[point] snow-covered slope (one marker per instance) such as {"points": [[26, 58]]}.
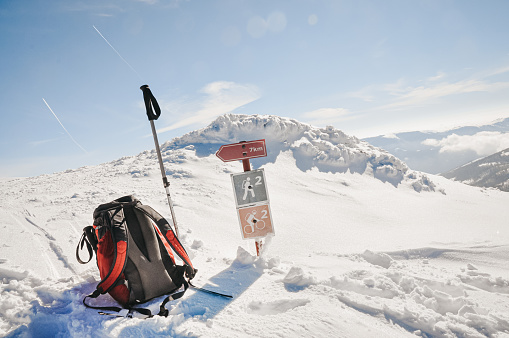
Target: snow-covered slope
{"points": [[488, 172], [353, 255]]}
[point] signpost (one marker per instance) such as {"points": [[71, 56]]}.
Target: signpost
{"points": [[250, 190], [249, 187], [255, 221], [242, 151]]}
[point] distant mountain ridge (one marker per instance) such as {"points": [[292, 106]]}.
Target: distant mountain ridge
{"points": [[428, 157], [489, 172]]}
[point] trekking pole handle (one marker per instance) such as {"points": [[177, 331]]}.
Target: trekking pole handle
{"points": [[150, 103]]}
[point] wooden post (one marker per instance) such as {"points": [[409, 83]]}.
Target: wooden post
{"points": [[247, 165], [258, 242]]}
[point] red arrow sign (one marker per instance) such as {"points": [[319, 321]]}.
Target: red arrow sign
{"points": [[242, 151]]}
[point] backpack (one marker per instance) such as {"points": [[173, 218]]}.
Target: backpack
{"points": [[134, 248]]}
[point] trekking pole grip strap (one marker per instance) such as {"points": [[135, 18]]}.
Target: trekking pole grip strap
{"points": [[150, 103]]}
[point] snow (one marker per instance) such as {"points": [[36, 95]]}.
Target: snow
{"points": [[364, 246]]}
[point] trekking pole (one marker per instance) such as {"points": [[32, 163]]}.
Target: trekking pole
{"points": [[151, 105], [210, 291]]}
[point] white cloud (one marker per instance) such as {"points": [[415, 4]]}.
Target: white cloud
{"points": [[439, 76], [219, 98], [397, 88], [483, 143], [498, 71], [327, 116], [423, 94], [39, 142], [369, 93], [433, 89]]}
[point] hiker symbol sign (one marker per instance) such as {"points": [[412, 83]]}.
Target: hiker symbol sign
{"points": [[249, 187], [252, 202]]}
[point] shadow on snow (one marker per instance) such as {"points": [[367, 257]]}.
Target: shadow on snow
{"points": [[63, 314]]}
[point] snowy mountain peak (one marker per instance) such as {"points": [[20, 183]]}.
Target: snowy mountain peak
{"points": [[230, 128], [327, 149]]}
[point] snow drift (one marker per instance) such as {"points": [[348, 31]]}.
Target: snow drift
{"points": [[352, 256]]}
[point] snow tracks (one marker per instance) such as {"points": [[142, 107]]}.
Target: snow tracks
{"points": [[427, 292]]}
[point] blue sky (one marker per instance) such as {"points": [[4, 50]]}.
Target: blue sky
{"points": [[365, 67]]}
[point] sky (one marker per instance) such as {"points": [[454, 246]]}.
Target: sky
{"points": [[71, 70]]}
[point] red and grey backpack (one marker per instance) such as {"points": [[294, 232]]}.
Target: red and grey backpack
{"points": [[134, 247]]}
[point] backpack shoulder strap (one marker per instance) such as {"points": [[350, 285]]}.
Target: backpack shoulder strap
{"points": [[167, 236], [118, 230]]}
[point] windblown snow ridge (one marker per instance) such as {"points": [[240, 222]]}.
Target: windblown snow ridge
{"points": [[328, 149]]}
